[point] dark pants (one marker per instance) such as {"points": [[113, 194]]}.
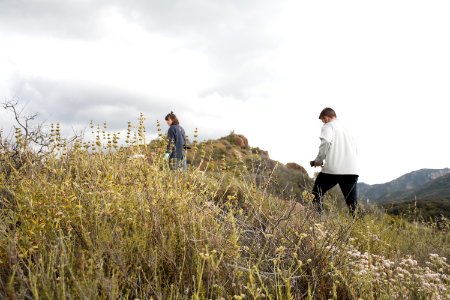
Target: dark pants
{"points": [[347, 183], [178, 163]]}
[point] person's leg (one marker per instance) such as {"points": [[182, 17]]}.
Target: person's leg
{"points": [[174, 164], [184, 161], [323, 183], [180, 164], [184, 164], [349, 187], [177, 164]]}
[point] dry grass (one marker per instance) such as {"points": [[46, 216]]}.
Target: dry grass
{"points": [[93, 220]]}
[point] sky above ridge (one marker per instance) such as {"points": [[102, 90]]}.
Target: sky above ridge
{"points": [[262, 68]]}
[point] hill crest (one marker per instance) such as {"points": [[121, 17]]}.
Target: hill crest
{"points": [[418, 183]]}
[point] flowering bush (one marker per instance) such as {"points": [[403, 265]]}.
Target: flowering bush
{"points": [[96, 219]]}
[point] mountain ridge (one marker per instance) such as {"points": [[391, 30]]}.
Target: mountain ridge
{"points": [[399, 188]]}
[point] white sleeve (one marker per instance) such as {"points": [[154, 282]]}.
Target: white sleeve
{"points": [[327, 133], [323, 150]]}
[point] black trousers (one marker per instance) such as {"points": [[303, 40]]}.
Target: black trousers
{"points": [[347, 183]]}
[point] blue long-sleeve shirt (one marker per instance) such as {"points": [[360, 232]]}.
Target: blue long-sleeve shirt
{"points": [[176, 141]]}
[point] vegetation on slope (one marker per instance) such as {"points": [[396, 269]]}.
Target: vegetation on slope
{"points": [[89, 219], [424, 183], [425, 210]]}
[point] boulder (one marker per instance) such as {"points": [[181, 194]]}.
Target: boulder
{"points": [[297, 167], [240, 140]]}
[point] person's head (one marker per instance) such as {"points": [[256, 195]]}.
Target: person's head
{"points": [[327, 115], [171, 119]]}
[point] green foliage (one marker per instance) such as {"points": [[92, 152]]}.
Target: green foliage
{"points": [[433, 211], [91, 219]]}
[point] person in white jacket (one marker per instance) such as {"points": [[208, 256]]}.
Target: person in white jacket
{"points": [[338, 158]]}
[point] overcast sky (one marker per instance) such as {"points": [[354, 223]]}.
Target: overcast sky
{"points": [[263, 68]]}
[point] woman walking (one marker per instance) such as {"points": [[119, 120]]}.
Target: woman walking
{"points": [[176, 140]]}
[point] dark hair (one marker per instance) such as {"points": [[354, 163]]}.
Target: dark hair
{"points": [[329, 112], [173, 118]]}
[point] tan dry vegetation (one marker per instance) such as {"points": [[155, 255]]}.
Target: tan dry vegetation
{"points": [[95, 220]]}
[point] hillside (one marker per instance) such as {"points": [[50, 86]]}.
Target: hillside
{"points": [[89, 221], [438, 188], [429, 201], [423, 194], [428, 210], [405, 185], [233, 152], [286, 180]]}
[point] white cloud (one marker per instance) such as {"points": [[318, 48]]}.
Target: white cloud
{"points": [[262, 68]]}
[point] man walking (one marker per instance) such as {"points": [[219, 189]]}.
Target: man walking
{"points": [[337, 157]]}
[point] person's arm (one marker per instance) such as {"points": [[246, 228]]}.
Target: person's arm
{"points": [[170, 140], [183, 135], [323, 150], [326, 137]]}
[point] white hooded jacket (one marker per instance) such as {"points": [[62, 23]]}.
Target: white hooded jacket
{"points": [[338, 149]]}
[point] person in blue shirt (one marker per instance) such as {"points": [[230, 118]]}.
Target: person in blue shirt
{"points": [[176, 140]]}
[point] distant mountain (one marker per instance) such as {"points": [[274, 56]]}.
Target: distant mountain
{"points": [[421, 183], [363, 188], [438, 188], [431, 200]]}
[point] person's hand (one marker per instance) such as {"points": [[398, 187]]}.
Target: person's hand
{"points": [[166, 156], [315, 163]]}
